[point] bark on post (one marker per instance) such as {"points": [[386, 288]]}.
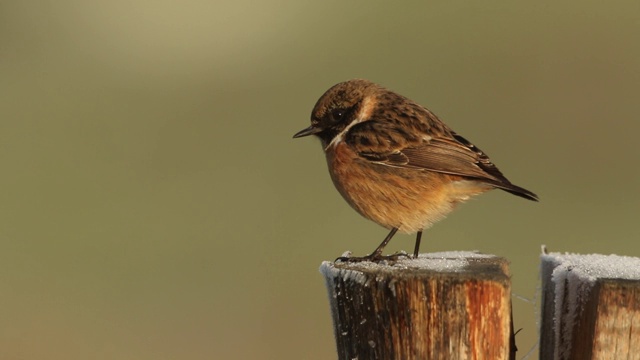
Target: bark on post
{"points": [[439, 306]]}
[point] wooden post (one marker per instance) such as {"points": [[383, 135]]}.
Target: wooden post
{"points": [[590, 307], [440, 306]]}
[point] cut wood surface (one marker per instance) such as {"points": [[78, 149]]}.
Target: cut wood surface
{"points": [[453, 305]]}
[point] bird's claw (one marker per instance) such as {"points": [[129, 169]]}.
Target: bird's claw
{"points": [[375, 258]]}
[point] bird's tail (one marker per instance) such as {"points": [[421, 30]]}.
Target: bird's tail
{"points": [[517, 190]]}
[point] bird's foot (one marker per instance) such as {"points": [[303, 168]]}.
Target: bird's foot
{"points": [[375, 258]]}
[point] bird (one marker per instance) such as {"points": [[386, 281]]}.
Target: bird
{"points": [[395, 162]]}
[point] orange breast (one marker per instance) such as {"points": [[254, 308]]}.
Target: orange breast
{"points": [[409, 199]]}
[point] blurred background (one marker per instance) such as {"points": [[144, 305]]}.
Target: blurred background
{"points": [[154, 206]]}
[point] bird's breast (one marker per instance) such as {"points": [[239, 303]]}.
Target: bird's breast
{"points": [[410, 199]]}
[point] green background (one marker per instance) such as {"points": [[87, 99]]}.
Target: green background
{"points": [[154, 206]]}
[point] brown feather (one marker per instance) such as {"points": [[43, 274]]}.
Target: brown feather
{"points": [[429, 145]]}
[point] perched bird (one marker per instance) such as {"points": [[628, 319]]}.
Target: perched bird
{"points": [[395, 162]]}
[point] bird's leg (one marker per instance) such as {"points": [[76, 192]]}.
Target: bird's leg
{"points": [[378, 251], [416, 250], [376, 255]]}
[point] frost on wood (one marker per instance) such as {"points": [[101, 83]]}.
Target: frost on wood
{"points": [[448, 261], [572, 307]]}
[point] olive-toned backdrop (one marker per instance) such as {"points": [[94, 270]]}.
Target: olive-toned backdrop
{"points": [[154, 206]]}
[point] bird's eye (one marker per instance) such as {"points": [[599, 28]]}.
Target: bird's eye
{"points": [[337, 114]]}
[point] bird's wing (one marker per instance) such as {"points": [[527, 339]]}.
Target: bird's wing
{"points": [[453, 155], [421, 146], [427, 146]]}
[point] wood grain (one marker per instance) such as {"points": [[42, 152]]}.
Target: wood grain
{"points": [[585, 316], [413, 312]]}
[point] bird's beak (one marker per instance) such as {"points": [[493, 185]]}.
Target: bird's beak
{"points": [[308, 131]]}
